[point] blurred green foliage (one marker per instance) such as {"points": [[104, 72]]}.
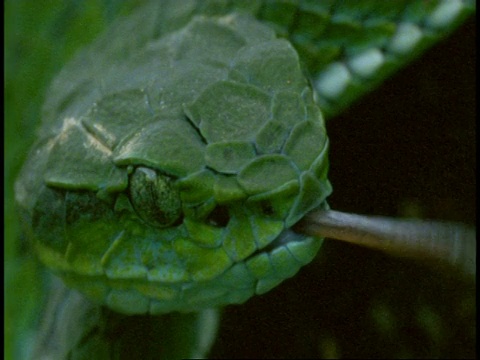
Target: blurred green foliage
{"points": [[40, 36]]}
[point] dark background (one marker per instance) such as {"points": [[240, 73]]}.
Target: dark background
{"points": [[408, 148]]}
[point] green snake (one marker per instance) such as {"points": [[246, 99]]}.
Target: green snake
{"points": [[177, 151]]}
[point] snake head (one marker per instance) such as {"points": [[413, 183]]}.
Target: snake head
{"points": [[170, 176]]}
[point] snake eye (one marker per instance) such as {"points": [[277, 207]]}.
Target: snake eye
{"points": [[154, 197]]}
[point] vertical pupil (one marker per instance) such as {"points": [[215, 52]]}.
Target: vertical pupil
{"points": [[154, 197]]}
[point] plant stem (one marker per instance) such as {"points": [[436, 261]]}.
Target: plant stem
{"points": [[452, 243]]}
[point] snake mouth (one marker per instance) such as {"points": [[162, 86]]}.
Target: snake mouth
{"points": [[287, 236], [284, 238]]}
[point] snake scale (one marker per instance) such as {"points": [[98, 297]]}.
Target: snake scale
{"points": [[177, 151]]}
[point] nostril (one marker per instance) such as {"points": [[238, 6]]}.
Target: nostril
{"points": [[219, 217], [267, 208]]}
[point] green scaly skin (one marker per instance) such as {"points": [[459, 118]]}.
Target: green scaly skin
{"points": [[173, 114]]}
